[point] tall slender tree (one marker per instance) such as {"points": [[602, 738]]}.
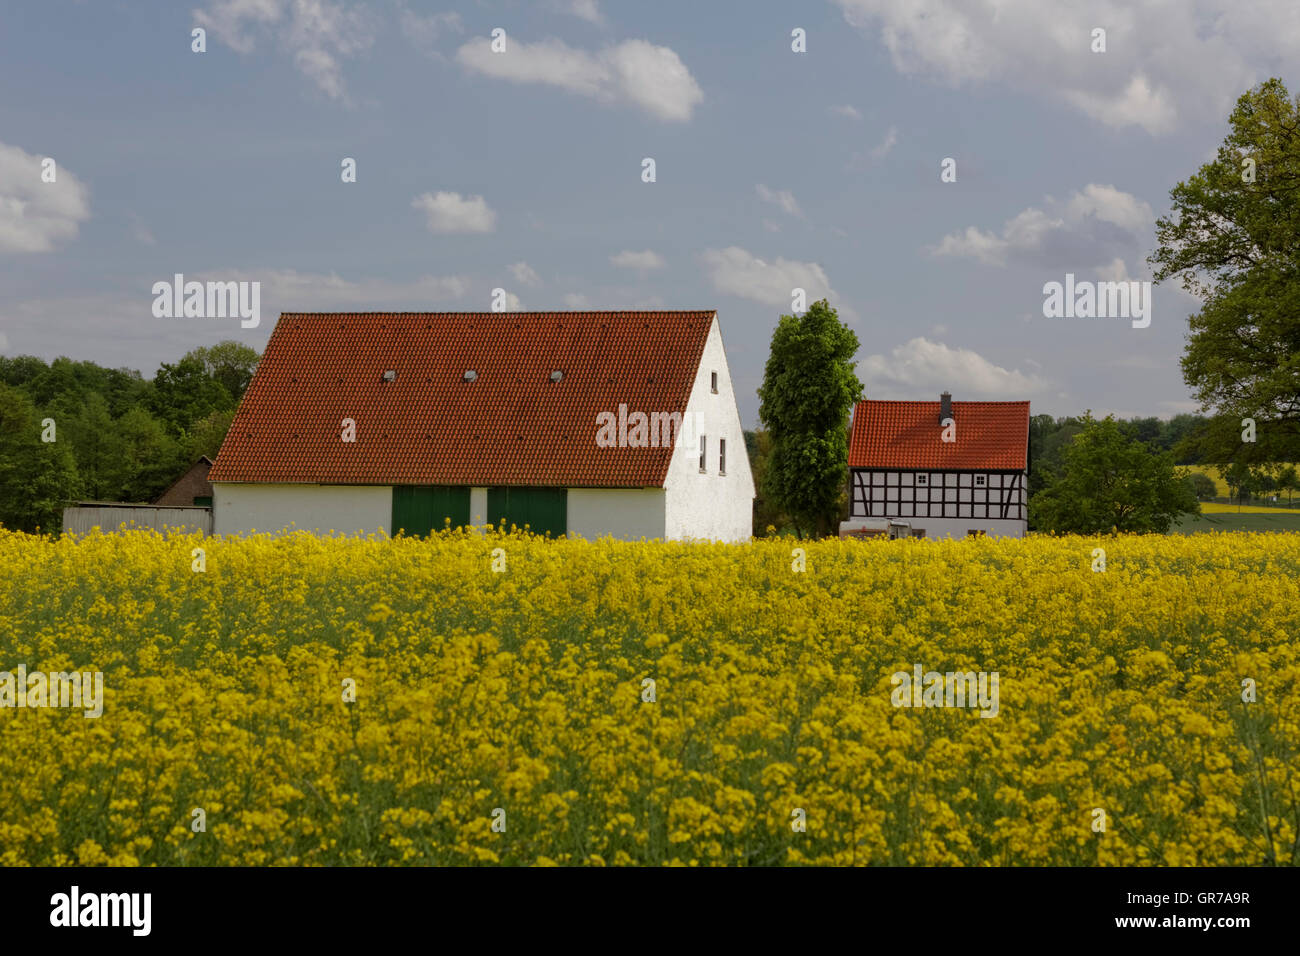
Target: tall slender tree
{"points": [[809, 387]]}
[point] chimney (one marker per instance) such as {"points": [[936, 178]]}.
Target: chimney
{"points": [[945, 407]]}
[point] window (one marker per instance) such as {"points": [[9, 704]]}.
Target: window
{"points": [[722, 456], [557, 375], [469, 376], [714, 380], [390, 375], [921, 479], [704, 451], [979, 481]]}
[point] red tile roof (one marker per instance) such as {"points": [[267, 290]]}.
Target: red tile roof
{"points": [[512, 426], [990, 436]]}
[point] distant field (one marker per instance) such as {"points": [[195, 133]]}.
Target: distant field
{"points": [[1217, 508], [1254, 519], [1212, 471]]}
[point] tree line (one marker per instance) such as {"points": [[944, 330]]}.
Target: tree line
{"points": [[74, 430]]}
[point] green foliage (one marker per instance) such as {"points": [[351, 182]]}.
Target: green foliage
{"points": [[1288, 481], [808, 388], [1236, 245], [184, 393], [37, 478], [1109, 481], [766, 513], [1203, 485], [229, 363], [205, 436], [119, 437]]}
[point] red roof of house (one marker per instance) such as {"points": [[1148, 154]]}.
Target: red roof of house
{"points": [[512, 426], [990, 436]]}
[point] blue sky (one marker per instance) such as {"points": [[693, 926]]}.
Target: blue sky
{"points": [[522, 170]]}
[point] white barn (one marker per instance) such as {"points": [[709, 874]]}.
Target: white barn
{"points": [[580, 423], [940, 469]]}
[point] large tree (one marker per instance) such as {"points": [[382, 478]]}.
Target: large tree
{"points": [[1233, 240], [1108, 480], [808, 388], [229, 362]]}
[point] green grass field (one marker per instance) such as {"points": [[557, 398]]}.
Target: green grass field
{"points": [[1194, 524]]}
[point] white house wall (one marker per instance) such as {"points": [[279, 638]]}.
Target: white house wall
{"points": [[626, 513], [710, 505], [345, 509], [937, 528]]}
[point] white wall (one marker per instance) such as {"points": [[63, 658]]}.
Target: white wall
{"points": [[710, 505], [947, 527], [345, 509], [626, 513]]}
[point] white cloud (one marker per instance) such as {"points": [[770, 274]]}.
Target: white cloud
{"points": [[1115, 271], [425, 31], [921, 368], [888, 143], [738, 272], [575, 300], [1093, 228], [846, 110], [636, 72], [1153, 75], [287, 290], [452, 212], [649, 259], [860, 161], [1111, 205], [123, 332], [35, 216], [782, 198], [770, 226], [588, 10], [525, 274], [4, 342], [317, 33]]}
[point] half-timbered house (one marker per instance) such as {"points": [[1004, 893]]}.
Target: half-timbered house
{"points": [[940, 469]]}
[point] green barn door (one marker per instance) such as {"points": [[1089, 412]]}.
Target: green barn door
{"points": [[543, 510], [420, 509]]}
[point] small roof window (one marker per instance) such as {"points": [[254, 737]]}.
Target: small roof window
{"points": [[557, 375], [390, 375], [469, 376]]}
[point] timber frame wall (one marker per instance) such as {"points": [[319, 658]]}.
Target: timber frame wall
{"points": [[937, 494]]}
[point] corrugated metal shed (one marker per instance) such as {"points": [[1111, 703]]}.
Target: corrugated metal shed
{"points": [[109, 516]]}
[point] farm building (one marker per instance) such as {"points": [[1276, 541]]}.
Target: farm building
{"points": [[581, 423], [940, 469], [191, 488]]}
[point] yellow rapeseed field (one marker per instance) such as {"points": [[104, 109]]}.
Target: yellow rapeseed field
{"points": [[505, 716], [1216, 508]]}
